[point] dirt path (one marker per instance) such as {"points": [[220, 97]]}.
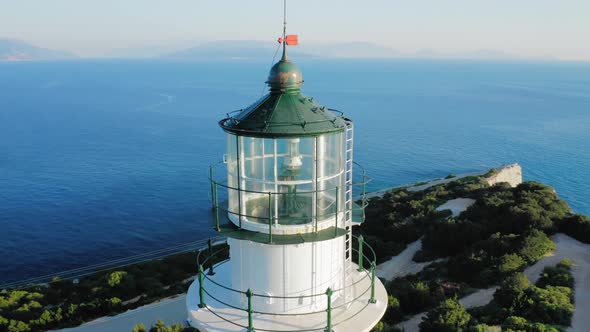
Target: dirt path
{"points": [[456, 205], [172, 310], [567, 247], [401, 264]]}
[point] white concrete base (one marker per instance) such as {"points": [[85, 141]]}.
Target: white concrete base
{"points": [[350, 313]]}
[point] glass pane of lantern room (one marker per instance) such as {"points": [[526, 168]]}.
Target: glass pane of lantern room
{"points": [[232, 174], [253, 166], [254, 183], [330, 174], [295, 169]]}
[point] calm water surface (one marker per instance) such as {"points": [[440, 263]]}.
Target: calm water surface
{"points": [[104, 159]]}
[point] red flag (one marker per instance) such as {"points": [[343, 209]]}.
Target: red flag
{"points": [[291, 40]]}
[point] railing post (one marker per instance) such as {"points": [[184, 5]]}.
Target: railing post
{"points": [[216, 206], [336, 224], [270, 217], [211, 182], [361, 242], [329, 293], [372, 299], [210, 260], [201, 287], [364, 193], [250, 323]]}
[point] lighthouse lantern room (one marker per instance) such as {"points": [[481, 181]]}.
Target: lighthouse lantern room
{"points": [[284, 205]]}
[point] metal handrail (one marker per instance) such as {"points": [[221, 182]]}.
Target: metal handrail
{"points": [[339, 114], [271, 217], [212, 254], [222, 183], [206, 260]]}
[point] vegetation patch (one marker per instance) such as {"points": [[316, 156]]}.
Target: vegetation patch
{"points": [[64, 303], [503, 232], [519, 306], [160, 326]]}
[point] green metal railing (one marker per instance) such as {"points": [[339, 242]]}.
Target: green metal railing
{"points": [[328, 207], [205, 295]]}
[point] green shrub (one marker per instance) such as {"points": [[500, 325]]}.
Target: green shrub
{"points": [[18, 326], [512, 293], [449, 316], [139, 328], [535, 245], [550, 305], [115, 278], [394, 313], [415, 296], [510, 263], [556, 276], [576, 226], [515, 322], [484, 328], [566, 263]]}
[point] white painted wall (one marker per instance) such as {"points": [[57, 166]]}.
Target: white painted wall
{"points": [[287, 270]]}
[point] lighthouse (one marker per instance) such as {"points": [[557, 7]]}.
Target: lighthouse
{"points": [[285, 199]]}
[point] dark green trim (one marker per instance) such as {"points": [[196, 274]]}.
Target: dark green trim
{"points": [[232, 231], [284, 115]]}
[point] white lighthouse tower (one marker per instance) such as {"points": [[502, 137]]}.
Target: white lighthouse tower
{"points": [[283, 202]]}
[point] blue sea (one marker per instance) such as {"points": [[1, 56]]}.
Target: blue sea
{"points": [[100, 160]]}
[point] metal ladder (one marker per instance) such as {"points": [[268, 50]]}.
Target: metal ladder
{"points": [[348, 193], [348, 265]]}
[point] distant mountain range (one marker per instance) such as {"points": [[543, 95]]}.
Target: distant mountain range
{"points": [[16, 50], [253, 49], [360, 50]]}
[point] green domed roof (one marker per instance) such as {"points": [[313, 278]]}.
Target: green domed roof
{"points": [[284, 112], [285, 76]]}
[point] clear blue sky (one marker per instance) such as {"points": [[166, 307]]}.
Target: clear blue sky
{"points": [[557, 28]]}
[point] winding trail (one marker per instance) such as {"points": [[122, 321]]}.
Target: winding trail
{"points": [[567, 247], [402, 264], [171, 310]]}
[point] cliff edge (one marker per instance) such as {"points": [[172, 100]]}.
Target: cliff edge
{"points": [[512, 174]]}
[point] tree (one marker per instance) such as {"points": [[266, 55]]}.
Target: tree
{"points": [[3, 323], [382, 327], [18, 326], [550, 305], [577, 226], [449, 316], [510, 263], [512, 293], [515, 322], [139, 328], [115, 278], [394, 312], [535, 246], [159, 326], [556, 276]]}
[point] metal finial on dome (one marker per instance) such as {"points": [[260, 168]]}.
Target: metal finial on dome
{"points": [[285, 76]]}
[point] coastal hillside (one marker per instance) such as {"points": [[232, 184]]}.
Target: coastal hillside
{"points": [[472, 238], [462, 253], [15, 50]]}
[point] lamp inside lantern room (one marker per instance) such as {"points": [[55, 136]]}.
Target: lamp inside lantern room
{"points": [[291, 168], [292, 163]]}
